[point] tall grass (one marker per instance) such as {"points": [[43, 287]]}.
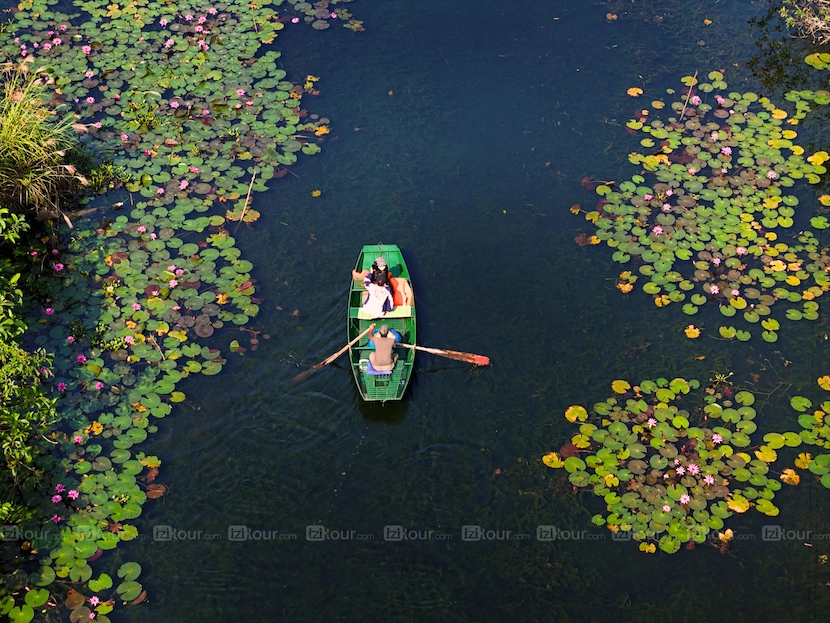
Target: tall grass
{"points": [[34, 141]]}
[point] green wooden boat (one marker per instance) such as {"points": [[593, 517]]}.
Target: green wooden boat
{"points": [[389, 386]]}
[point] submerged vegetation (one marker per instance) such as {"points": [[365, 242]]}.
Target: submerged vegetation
{"points": [[671, 472]]}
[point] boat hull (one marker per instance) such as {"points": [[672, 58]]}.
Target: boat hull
{"points": [[386, 386]]}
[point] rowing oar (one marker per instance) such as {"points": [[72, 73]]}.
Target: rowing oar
{"points": [[302, 376], [479, 360]]}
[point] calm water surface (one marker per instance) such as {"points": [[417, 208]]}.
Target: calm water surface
{"points": [[461, 132]]}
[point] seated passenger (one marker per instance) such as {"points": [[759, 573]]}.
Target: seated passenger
{"points": [[382, 358], [380, 275]]}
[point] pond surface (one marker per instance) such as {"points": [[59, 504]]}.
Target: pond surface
{"points": [[461, 132]]}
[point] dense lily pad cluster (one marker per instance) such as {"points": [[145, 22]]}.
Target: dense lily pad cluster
{"points": [[701, 218], [196, 114], [671, 475]]}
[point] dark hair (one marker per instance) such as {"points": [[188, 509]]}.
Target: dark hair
{"points": [[379, 277], [383, 330]]}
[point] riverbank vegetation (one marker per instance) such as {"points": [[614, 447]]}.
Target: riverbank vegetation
{"points": [[809, 18], [115, 313]]}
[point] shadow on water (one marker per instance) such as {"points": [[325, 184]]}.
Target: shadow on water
{"points": [[463, 132]]}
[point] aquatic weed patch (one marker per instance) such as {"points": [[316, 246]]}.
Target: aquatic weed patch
{"points": [[190, 105], [701, 221], [671, 469]]}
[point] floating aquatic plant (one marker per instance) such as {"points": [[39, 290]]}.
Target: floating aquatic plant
{"points": [[701, 219], [196, 115], [671, 473]]}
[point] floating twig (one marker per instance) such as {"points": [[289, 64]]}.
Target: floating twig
{"points": [[247, 199], [688, 95]]}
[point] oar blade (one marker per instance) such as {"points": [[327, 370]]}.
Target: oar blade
{"points": [[302, 376]]}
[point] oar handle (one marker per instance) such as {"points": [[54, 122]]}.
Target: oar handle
{"points": [[346, 347]]}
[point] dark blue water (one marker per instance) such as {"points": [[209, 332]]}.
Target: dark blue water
{"points": [[461, 132]]}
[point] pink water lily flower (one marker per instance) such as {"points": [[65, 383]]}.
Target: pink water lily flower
{"points": [[194, 169], [90, 100], [657, 230], [56, 499], [648, 197], [680, 470], [73, 494], [695, 100], [159, 191], [141, 229], [716, 261], [735, 292], [163, 22], [94, 600], [56, 519], [173, 283], [772, 175], [727, 151], [694, 469], [212, 11], [295, 20], [136, 307], [77, 439], [188, 17], [717, 438], [183, 184], [49, 311], [719, 99], [651, 423], [666, 207], [58, 267], [740, 250], [202, 19], [70, 339], [669, 192], [129, 339], [709, 479], [61, 386], [240, 92], [715, 136], [125, 137], [86, 49], [59, 488], [692, 170], [174, 104], [714, 289], [81, 358], [169, 43], [99, 386], [666, 508], [685, 499]]}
